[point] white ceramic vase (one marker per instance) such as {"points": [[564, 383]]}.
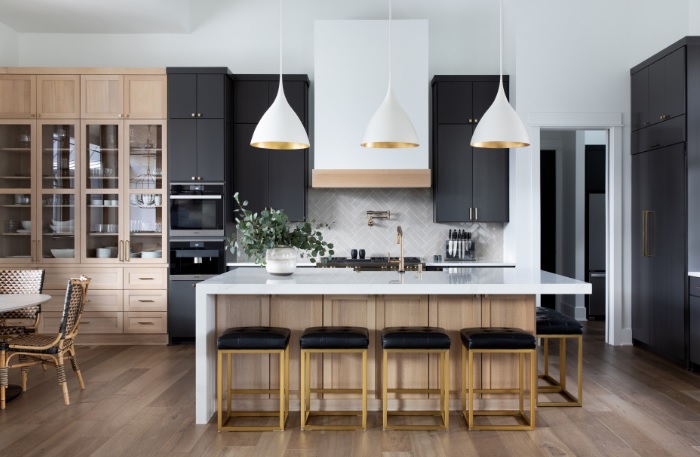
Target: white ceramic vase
{"points": [[281, 260]]}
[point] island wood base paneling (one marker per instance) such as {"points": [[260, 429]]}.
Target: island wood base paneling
{"points": [[297, 312]]}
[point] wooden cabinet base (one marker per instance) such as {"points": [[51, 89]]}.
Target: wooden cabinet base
{"points": [[121, 339]]}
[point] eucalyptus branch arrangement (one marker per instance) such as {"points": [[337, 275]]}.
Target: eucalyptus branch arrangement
{"points": [[270, 228]]}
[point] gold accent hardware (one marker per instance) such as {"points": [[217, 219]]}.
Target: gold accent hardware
{"points": [[476, 214], [146, 301], [127, 255], [476, 120], [146, 279], [147, 323], [194, 114], [377, 215], [471, 120], [470, 213]]}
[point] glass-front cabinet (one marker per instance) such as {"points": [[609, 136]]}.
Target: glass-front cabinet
{"points": [[38, 183], [123, 192]]}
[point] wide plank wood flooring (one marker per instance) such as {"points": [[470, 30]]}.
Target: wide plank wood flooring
{"points": [[139, 401]]}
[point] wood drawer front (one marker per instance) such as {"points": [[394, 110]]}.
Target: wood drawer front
{"points": [[90, 322], [18, 322], [145, 322], [96, 300], [694, 287], [100, 278], [146, 278], [145, 300]]}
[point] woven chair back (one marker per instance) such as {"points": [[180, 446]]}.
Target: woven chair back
{"points": [[21, 282], [75, 300]]}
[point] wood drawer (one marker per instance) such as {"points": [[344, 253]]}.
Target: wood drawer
{"points": [[100, 278], [96, 300], [90, 322], [145, 322], [694, 286], [146, 278], [145, 300], [18, 322]]}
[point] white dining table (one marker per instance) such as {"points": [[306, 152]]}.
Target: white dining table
{"points": [[11, 302]]}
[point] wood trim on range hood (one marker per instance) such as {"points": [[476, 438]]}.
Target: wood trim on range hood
{"points": [[416, 178]]}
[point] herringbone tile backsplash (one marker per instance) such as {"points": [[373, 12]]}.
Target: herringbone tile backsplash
{"points": [[346, 211], [412, 209]]}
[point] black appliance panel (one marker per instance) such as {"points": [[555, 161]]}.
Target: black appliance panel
{"points": [[196, 260]]}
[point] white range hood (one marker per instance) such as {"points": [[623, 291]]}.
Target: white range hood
{"points": [[351, 76]]}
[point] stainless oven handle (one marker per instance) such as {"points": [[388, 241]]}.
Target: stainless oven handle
{"points": [[196, 197]]}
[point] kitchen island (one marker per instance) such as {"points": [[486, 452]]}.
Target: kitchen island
{"points": [[473, 297]]}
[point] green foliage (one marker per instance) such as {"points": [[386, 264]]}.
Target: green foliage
{"points": [[270, 228]]}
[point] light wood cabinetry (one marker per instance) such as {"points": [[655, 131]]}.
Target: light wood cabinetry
{"points": [[124, 96], [85, 195]]}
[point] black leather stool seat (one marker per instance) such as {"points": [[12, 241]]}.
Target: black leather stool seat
{"points": [[497, 338], [553, 322], [415, 338], [335, 338], [253, 338]]}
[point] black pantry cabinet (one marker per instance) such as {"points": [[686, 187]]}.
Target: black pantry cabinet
{"points": [[269, 178], [199, 116], [470, 184], [665, 218]]}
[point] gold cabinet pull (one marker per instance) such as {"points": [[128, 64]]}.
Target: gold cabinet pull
{"points": [[147, 323], [146, 301], [146, 279], [470, 213], [476, 214]]}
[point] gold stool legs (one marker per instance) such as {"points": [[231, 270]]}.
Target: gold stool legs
{"points": [[282, 391], [559, 386], [443, 390], [469, 391], [306, 391]]}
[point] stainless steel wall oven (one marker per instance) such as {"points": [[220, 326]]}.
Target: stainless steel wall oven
{"points": [[197, 210]]}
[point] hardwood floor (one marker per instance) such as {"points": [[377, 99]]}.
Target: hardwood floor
{"points": [[139, 401]]}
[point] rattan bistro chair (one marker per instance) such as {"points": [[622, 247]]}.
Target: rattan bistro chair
{"points": [[24, 320], [48, 349]]}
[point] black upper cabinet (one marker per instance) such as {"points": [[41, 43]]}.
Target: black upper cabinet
{"points": [[269, 178], [198, 119], [658, 90], [471, 184]]}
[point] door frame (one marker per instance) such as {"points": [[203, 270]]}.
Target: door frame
{"points": [[616, 333]]}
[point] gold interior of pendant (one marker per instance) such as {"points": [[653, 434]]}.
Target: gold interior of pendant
{"points": [[389, 144], [279, 145], [499, 144]]}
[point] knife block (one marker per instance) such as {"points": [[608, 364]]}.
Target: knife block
{"points": [[467, 252]]}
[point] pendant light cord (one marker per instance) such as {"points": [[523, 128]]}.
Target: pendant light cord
{"points": [[280, 20], [390, 36], [500, 39]]}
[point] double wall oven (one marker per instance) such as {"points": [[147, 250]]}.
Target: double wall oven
{"points": [[197, 249]]}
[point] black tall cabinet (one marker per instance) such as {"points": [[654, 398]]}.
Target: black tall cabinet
{"points": [[665, 221], [199, 116], [266, 177], [471, 184]]}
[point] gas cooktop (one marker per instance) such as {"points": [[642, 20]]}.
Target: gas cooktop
{"points": [[373, 263]]}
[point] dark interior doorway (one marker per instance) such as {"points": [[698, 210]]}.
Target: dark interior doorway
{"points": [[548, 217]]}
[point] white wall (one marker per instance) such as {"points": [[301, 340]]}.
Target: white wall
{"points": [[564, 57], [9, 47]]}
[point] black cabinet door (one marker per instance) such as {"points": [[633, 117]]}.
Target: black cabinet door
{"points": [[694, 303], [642, 279], [211, 152], [454, 102], [453, 185], [211, 96], [287, 183], [250, 169], [667, 87], [484, 93], [250, 101], [667, 241], [182, 149], [181, 309], [295, 92], [182, 96], [490, 185], [640, 99]]}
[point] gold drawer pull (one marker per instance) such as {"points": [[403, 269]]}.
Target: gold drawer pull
{"points": [[146, 279], [146, 301], [85, 322], [147, 323]]}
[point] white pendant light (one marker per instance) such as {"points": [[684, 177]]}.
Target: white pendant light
{"points": [[390, 126], [280, 127], [500, 126]]}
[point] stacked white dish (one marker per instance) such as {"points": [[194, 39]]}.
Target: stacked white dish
{"points": [[151, 254], [63, 253], [62, 226]]}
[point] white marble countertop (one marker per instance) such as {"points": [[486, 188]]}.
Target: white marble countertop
{"points": [[256, 281], [695, 274], [445, 264]]}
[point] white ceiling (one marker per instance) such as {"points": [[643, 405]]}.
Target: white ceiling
{"points": [[96, 16]]}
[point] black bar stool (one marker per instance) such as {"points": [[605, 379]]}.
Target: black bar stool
{"points": [[252, 340], [553, 325], [498, 340], [332, 340], [430, 340]]}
